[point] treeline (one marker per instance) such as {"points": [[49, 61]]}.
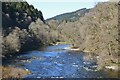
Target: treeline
{"points": [[20, 40]]}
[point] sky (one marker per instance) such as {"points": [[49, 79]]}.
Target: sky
{"points": [[51, 8]]}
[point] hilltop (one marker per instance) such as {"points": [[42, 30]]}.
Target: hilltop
{"points": [[70, 16]]}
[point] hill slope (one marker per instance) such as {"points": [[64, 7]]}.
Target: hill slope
{"points": [[70, 16], [96, 32]]}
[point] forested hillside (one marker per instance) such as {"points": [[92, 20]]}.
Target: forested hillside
{"points": [[70, 16], [19, 14], [96, 32], [24, 28]]}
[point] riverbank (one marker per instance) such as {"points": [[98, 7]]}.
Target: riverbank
{"points": [[108, 64], [13, 72], [57, 61], [73, 48]]}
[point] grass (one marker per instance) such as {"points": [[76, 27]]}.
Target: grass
{"points": [[62, 43]]}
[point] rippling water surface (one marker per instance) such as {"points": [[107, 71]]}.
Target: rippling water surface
{"points": [[58, 62]]}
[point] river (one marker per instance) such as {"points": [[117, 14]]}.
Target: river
{"points": [[58, 62]]}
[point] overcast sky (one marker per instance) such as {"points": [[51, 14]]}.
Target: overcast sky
{"points": [[52, 8]]}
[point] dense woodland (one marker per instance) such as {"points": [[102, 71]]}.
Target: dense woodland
{"points": [[96, 31], [24, 28], [19, 14]]}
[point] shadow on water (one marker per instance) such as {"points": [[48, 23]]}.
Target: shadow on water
{"points": [[56, 61]]}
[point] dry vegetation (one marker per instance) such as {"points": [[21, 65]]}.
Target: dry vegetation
{"points": [[96, 32], [38, 35], [11, 72]]}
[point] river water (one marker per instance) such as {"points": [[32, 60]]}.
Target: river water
{"points": [[58, 62]]}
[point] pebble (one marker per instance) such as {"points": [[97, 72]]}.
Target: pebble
{"points": [[26, 69], [112, 67]]}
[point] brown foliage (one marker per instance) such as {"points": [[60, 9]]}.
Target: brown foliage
{"points": [[96, 32]]}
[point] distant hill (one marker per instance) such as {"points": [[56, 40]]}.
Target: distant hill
{"points": [[70, 16]]}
